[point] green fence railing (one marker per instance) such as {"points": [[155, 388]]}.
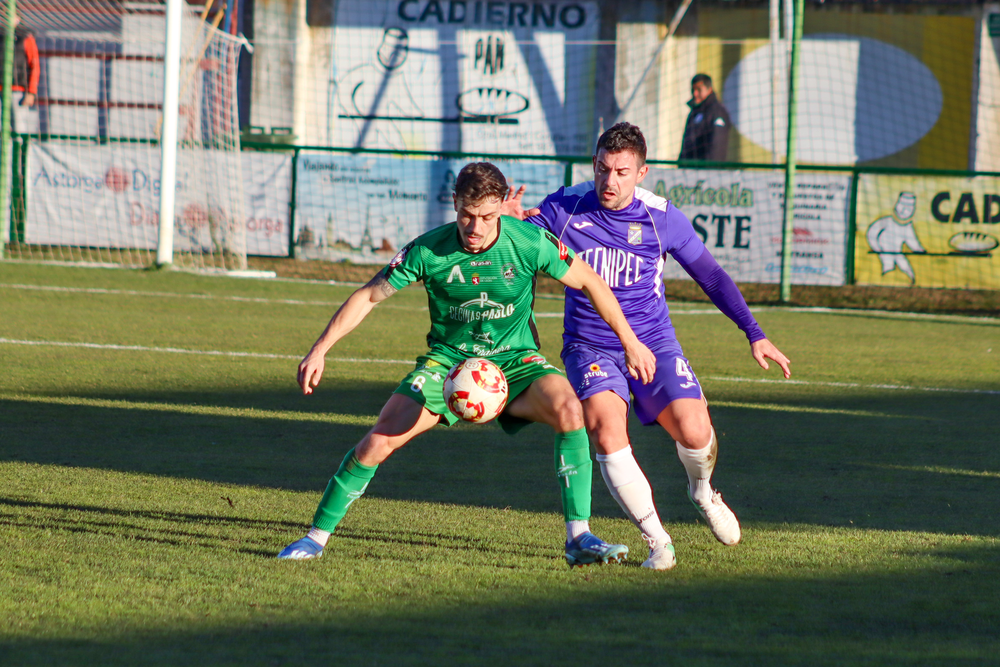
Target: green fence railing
{"points": [[20, 144]]}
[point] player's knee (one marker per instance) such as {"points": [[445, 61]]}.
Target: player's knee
{"points": [[374, 449], [606, 440], [568, 413], [696, 434]]}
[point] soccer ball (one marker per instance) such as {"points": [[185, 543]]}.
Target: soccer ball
{"points": [[475, 390]]}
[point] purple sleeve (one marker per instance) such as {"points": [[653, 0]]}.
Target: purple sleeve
{"points": [[550, 213], [724, 293]]}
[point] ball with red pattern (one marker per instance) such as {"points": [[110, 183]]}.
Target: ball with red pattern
{"points": [[475, 390]]}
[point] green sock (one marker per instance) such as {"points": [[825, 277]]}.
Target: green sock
{"points": [[346, 486], [575, 472]]}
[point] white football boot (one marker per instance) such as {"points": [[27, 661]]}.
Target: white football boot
{"points": [[661, 553], [719, 518]]}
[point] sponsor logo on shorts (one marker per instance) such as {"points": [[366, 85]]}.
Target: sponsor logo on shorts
{"points": [[594, 371], [485, 351], [537, 359]]}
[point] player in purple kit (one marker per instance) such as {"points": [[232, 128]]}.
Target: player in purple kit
{"points": [[625, 233]]}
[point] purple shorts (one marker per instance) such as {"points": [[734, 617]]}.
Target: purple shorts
{"points": [[591, 370]]}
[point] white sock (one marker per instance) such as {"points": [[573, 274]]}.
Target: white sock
{"points": [[575, 529], [629, 486], [318, 535], [699, 464]]}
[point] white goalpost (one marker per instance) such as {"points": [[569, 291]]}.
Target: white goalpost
{"points": [[168, 137]]}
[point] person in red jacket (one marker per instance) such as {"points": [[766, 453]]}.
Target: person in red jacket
{"points": [[26, 65]]}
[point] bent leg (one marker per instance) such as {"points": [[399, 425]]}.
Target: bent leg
{"points": [[550, 400], [401, 420], [688, 421], [605, 415]]}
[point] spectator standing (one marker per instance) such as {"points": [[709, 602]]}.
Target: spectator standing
{"points": [[26, 66], [706, 133]]}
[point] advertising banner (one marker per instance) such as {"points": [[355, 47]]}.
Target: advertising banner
{"points": [[501, 77], [902, 94], [362, 207], [739, 215], [109, 197], [928, 231], [267, 180]]}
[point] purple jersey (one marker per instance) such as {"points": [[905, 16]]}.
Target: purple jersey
{"points": [[627, 248]]}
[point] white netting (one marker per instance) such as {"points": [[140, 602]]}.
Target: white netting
{"points": [[87, 160]]}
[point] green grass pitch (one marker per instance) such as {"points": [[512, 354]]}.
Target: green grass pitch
{"points": [[146, 486]]}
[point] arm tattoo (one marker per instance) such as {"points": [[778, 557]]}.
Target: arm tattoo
{"points": [[382, 284]]}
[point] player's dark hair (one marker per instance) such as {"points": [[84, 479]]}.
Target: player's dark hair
{"points": [[624, 137], [479, 181], [702, 78]]}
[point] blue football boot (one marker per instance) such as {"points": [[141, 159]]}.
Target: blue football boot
{"points": [[305, 548], [589, 548]]}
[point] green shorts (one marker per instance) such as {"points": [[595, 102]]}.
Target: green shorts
{"points": [[425, 384]]}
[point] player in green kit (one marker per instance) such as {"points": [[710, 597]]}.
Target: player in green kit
{"points": [[479, 275]]}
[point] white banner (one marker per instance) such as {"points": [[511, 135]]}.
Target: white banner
{"points": [[499, 76], [739, 216], [109, 197], [268, 189], [357, 206]]}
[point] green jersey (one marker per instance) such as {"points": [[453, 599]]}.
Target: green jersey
{"points": [[481, 304]]}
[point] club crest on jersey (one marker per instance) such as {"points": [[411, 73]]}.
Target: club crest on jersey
{"points": [[635, 233], [509, 272], [475, 278]]}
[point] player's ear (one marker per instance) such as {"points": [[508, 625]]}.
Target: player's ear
{"points": [[454, 201], [593, 161], [643, 170]]}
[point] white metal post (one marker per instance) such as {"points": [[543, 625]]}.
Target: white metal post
{"points": [[168, 135]]}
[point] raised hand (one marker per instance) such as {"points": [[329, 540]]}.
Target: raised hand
{"points": [[512, 204]]}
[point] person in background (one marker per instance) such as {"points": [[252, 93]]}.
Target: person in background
{"points": [[706, 133], [26, 65]]}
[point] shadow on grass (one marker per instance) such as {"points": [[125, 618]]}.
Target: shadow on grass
{"points": [[919, 467], [934, 616], [217, 532]]}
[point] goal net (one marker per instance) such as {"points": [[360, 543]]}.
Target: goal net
{"points": [[86, 156]]}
